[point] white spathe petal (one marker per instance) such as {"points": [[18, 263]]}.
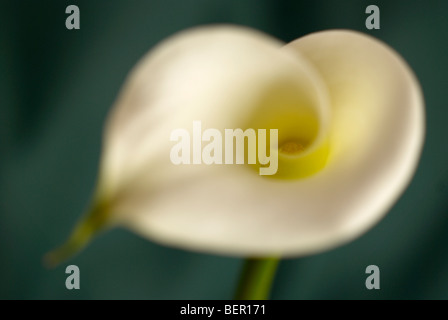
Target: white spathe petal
{"points": [[377, 126], [218, 76]]}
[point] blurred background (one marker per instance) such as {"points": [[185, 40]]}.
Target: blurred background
{"points": [[57, 86]]}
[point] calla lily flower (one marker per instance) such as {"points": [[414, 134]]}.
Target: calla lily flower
{"points": [[350, 118]]}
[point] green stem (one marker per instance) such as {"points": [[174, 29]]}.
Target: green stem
{"points": [[90, 225], [256, 278]]}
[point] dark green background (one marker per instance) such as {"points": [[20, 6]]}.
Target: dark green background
{"points": [[58, 85]]}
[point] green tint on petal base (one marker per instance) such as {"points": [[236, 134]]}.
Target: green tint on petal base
{"points": [[89, 226]]}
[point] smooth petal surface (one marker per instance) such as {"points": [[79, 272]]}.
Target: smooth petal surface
{"points": [[225, 77], [367, 113]]}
